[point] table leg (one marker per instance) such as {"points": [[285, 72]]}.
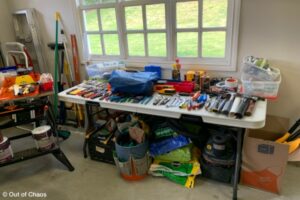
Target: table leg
{"points": [[59, 155], [86, 128], [240, 134]]}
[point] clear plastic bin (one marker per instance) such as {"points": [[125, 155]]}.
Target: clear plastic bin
{"points": [[265, 89], [98, 70], [260, 73]]}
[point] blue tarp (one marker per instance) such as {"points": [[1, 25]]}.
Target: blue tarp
{"points": [[135, 83]]}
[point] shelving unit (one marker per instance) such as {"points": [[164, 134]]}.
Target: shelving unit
{"points": [[33, 103]]}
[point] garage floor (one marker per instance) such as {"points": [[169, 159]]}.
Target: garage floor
{"points": [[96, 180]]}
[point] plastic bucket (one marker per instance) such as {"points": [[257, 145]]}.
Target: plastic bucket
{"points": [[133, 169], [6, 152], [125, 152], [43, 137]]}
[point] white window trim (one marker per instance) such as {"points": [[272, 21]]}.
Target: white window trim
{"points": [[210, 64]]}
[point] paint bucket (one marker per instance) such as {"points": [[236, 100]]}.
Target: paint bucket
{"points": [[43, 137], [6, 152]]}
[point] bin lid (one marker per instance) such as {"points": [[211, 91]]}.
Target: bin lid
{"points": [[41, 129]]}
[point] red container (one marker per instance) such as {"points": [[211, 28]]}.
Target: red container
{"points": [[46, 86], [184, 86]]}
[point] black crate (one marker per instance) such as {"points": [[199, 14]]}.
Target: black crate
{"points": [[99, 151]]}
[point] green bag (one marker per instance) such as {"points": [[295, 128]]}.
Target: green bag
{"points": [[181, 155]]}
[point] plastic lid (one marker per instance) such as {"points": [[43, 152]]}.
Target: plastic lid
{"points": [[41, 129]]}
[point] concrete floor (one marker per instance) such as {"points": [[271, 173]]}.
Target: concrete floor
{"points": [[96, 180]]}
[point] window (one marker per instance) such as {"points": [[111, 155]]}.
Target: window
{"points": [[197, 31]]}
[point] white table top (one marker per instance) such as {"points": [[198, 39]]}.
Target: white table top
{"points": [[257, 120]]}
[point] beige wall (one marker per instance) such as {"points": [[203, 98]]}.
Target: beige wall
{"points": [[271, 29], [5, 22], [268, 28], [46, 11]]}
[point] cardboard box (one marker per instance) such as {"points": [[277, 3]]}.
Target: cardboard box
{"points": [[264, 161]]}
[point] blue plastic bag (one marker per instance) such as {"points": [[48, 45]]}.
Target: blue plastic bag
{"points": [[135, 83], [167, 145]]}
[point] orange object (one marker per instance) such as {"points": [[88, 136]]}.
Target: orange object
{"points": [[161, 87], [134, 176], [264, 179], [7, 93], [75, 53]]}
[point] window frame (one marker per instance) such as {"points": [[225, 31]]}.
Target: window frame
{"points": [[221, 64]]}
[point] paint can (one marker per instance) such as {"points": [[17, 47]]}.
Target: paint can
{"points": [[43, 137], [6, 152]]}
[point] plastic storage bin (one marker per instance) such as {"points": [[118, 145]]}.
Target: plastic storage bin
{"points": [[265, 89], [259, 73], [153, 68], [99, 70]]}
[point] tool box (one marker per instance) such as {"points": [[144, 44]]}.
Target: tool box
{"points": [[100, 151]]}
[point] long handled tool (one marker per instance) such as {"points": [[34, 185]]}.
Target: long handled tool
{"points": [[57, 16], [76, 65], [67, 63], [291, 137]]}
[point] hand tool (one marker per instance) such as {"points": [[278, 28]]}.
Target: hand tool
{"points": [[164, 101], [223, 102], [207, 103], [157, 100], [242, 107], [234, 106], [215, 104], [158, 87], [167, 91], [293, 143], [289, 135], [251, 107], [226, 108], [171, 102], [57, 16], [196, 96], [202, 98]]}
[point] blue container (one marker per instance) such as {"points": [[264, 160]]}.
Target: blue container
{"points": [[153, 68]]}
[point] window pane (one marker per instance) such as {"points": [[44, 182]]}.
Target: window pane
{"points": [[136, 44], [214, 13], [157, 44], [134, 18], [94, 44], [92, 2], [108, 1], [91, 20], [187, 14], [156, 16], [108, 19], [187, 44], [213, 44], [111, 43]]}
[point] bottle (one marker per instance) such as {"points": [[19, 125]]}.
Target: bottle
{"points": [[176, 70]]}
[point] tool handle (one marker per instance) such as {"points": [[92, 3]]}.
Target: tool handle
{"points": [[293, 136], [250, 108], [283, 138], [234, 107], [57, 16], [295, 126], [242, 108], [293, 145], [228, 105]]}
